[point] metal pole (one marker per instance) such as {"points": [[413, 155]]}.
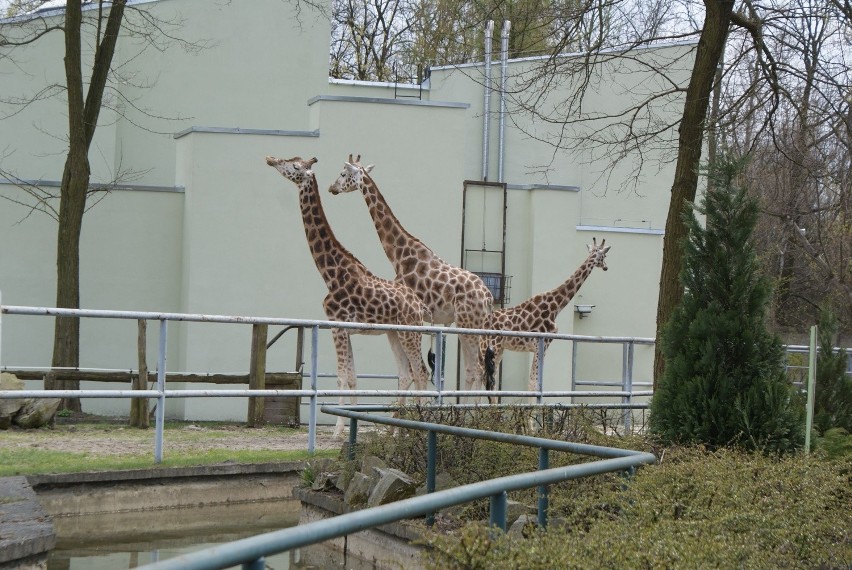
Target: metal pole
{"points": [[627, 384], [438, 379], [312, 416], [431, 459], [812, 364], [256, 564], [543, 502], [353, 437], [573, 367], [498, 510], [486, 106], [504, 72], [161, 388]]}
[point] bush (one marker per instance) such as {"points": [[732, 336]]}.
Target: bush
{"points": [[724, 381]]}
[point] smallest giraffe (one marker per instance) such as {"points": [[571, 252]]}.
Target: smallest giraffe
{"points": [[536, 314]]}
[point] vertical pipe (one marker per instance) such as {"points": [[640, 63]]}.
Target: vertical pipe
{"points": [[312, 415], [161, 398], [256, 564], [543, 502], [812, 364], [504, 69], [353, 437], [431, 460], [438, 378], [498, 510], [486, 106], [1, 330]]}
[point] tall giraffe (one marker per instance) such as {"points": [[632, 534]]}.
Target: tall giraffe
{"points": [[537, 314], [451, 293], [354, 293]]}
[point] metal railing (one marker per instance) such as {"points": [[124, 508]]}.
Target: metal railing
{"points": [[313, 394], [250, 552]]}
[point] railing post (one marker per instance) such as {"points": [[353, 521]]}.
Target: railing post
{"points": [[257, 373], [353, 437], [498, 510], [539, 373], [809, 410], [574, 344], [627, 384], [256, 564], [161, 388], [431, 460], [543, 500], [437, 379], [312, 416]]}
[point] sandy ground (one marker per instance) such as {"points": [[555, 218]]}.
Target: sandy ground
{"points": [[102, 436]]}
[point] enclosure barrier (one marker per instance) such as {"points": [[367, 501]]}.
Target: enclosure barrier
{"points": [[160, 393], [251, 552]]}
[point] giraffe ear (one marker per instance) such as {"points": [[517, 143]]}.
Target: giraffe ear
{"points": [[606, 249], [369, 168]]}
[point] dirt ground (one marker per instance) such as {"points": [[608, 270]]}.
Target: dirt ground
{"points": [[99, 436]]}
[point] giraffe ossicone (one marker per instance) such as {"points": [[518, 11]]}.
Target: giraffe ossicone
{"points": [[354, 293]]}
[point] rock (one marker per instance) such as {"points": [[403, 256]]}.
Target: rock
{"points": [[37, 413], [515, 510], [342, 482], [371, 462], [324, 481], [8, 408], [393, 485], [358, 490], [523, 526]]}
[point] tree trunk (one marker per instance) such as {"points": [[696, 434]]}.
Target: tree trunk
{"points": [[711, 46], [82, 120]]}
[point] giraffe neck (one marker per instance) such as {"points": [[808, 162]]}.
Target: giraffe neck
{"points": [[563, 294], [329, 254], [392, 234]]}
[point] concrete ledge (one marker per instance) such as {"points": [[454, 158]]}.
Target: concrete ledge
{"points": [[26, 532]]}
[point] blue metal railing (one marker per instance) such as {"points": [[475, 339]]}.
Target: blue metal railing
{"points": [[250, 552]]}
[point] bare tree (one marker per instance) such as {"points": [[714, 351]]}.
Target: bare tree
{"points": [[97, 27]]}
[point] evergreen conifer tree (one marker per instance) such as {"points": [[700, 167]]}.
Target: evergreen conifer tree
{"points": [[724, 382], [833, 393]]}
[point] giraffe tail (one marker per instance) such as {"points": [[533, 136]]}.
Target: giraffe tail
{"points": [[489, 368], [430, 359]]}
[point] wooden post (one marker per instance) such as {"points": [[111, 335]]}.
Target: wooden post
{"points": [[139, 406], [257, 373]]}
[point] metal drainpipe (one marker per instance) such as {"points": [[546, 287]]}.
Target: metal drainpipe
{"points": [[486, 113], [504, 66]]}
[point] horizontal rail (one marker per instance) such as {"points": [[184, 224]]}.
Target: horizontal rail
{"points": [[253, 549], [20, 394], [203, 318]]}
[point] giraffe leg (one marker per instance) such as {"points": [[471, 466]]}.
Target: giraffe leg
{"points": [[497, 347], [474, 370], [345, 371], [412, 344], [532, 385], [402, 364]]}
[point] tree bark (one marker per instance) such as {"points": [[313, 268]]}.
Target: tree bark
{"points": [[711, 46], [82, 121]]}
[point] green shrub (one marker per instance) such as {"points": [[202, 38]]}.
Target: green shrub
{"points": [[724, 380], [833, 392]]}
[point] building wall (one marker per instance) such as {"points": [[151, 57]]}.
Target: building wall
{"points": [[207, 227]]}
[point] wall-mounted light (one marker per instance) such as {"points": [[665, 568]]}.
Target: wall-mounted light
{"points": [[584, 310]]}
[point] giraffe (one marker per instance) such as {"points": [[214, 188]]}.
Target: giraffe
{"points": [[354, 293], [451, 293], [537, 314]]}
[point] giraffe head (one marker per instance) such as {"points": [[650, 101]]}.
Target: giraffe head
{"points": [[597, 255], [295, 169], [351, 177]]}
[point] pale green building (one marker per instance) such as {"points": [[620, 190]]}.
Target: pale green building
{"points": [[198, 223]]}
